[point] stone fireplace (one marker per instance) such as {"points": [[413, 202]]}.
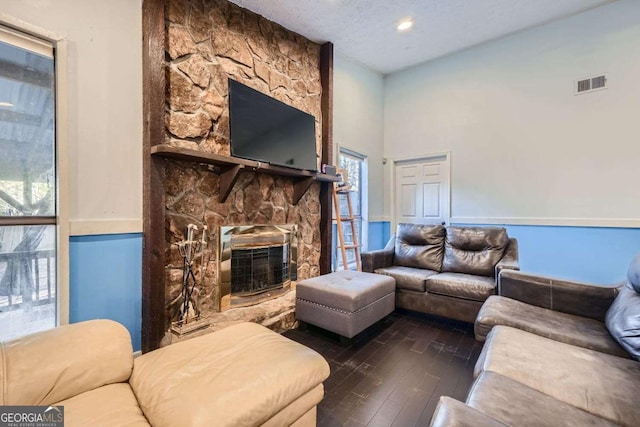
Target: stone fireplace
{"points": [[207, 42], [192, 197], [256, 263]]}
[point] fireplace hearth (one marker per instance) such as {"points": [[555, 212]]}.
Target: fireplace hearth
{"points": [[256, 262]]}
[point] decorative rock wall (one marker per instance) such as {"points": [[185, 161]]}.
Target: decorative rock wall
{"points": [[211, 40], [207, 42]]}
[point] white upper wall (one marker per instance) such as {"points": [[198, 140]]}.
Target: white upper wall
{"points": [[524, 148], [358, 121], [104, 101]]}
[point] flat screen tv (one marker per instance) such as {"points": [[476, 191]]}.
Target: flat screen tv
{"points": [[266, 130]]}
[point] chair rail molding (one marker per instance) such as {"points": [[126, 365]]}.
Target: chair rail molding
{"points": [[567, 222]]}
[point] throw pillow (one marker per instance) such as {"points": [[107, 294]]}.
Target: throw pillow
{"points": [[633, 275], [623, 320]]}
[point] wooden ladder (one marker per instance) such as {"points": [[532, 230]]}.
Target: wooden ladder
{"points": [[345, 188]]}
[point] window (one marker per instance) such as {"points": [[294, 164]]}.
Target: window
{"points": [[355, 165], [28, 189]]}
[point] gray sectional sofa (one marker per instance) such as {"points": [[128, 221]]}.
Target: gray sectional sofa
{"points": [[448, 271], [556, 353], [562, 310]]}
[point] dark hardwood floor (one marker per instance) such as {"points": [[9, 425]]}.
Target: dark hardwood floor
{"points": [[393, 373]]}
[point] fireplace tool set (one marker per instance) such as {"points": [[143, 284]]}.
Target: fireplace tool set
{"points": [[194, 251]]}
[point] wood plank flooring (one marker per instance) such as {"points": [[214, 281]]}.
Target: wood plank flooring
{"points": [[393, 373]]}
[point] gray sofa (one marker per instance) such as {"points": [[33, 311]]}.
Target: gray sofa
{"points": [[556, 353], [565, 311], [448, 271]]}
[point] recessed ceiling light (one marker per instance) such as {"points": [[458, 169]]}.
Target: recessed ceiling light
{"points": [[6, 104], [405, 24]]}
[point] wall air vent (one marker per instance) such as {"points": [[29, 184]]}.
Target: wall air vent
{"points": [[598, 82], [591, 84], [584, 85]]}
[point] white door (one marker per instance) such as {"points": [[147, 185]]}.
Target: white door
{"points": [[422, 190]]}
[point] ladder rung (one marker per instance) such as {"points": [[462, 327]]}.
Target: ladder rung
{"points": [[347, 218], [352, 246]]}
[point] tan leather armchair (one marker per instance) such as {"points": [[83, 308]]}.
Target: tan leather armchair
{"points": [[244, 375]]}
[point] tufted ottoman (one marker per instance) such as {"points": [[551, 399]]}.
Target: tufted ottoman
{"points": [[345, 302]]}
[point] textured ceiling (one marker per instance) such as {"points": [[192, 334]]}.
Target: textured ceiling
{"points": [[365, 30]]}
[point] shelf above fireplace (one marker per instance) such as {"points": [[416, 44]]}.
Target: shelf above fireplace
{"points": [[229, 169]]}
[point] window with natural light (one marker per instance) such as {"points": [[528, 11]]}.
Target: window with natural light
{"points": [[354, 165], [28, 194]]}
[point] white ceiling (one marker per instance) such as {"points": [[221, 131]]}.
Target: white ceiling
{"points": [[365, 30]]}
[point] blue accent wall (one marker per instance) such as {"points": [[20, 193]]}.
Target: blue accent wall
{"points": [[378, 234], [599, 255], [106, 270], [105, 280]]}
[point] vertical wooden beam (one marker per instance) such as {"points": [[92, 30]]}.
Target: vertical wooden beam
{"points": [[153, 51], [326, 102]]}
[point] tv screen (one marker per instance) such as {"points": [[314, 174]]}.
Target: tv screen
{"points": [[264, 129]]}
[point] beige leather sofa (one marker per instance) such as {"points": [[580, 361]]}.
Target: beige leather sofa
{"points": [[244, 375]]}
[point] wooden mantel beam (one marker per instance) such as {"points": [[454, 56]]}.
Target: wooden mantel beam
{"points": [[326, 103]]}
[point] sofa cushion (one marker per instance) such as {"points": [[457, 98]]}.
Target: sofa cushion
{"points": [[111, 405], [568, 328], [244, 374], [474, 250], [70, 360], [419, 246], [526, 406], [601, 384], [467, 286], [623, 320], [453, 413], [412, 279]]}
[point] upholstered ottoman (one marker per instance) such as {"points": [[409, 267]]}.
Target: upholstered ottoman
{"points": [[345, 302]]}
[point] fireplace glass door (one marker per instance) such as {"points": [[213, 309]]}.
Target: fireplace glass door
{"points": [[255, 262], [256, 270]]}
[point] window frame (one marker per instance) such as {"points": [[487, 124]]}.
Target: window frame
{"points": [[60, 57], [364, 204]]}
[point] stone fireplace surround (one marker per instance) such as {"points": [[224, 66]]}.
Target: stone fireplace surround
{"points": [[256, 263], [207, 42]]}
